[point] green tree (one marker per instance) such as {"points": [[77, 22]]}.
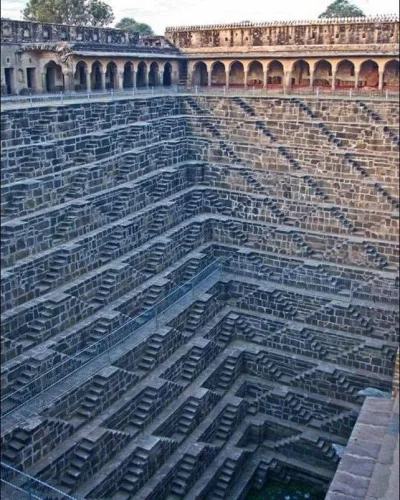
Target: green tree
{"points": [[342, 8], [129, 24], [77, 12]]}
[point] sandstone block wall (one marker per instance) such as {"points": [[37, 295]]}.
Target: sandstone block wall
{"points": [[109, 208]]}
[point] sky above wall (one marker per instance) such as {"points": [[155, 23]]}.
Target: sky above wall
{"points": [[162, 13]]}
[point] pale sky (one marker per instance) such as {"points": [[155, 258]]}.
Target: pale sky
{"points": [[162, 13]]}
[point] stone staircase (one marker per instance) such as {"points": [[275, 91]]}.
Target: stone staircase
{"points": [[111, 249], [154, 263], [143, 411], [81, 456], [182, 476], [90, 404], [54, 273], [191, 364], [195, 317], [187, 420], [107, 287], [133, 477], [66, 225], [151, 353]]}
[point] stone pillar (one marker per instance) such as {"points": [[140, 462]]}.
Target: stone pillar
{"points": [[103, 80], [356, 73], [161, 78], [44, 89], [120, 80], [88, 79], [311, 79], [246, 74], [266, 79], [287, 80], [333, 84], [146, 79], [380, 84], [209, 77], [68, 81], [133, 78]]}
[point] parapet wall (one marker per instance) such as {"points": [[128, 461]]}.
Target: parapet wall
{"points": [[356, 31], [17, 32]]}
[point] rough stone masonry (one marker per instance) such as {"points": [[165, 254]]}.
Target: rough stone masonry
{"points": [[289, 207]]}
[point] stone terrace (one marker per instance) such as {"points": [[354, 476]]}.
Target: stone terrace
{"points": [[107, 208]]}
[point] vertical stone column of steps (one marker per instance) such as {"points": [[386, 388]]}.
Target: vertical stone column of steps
{"points": [[136, 470], [81, 456]]}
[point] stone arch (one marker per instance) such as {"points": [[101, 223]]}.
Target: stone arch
{"points": [[236, 74], [167, 75], [81, 69], [54, 78], [128, 76], [154, 75], [218, 74], [96, 76], [141, 75], [275, 74], [369, 74], [391, 74], [345, 74], [301, 74], [200, 74], [323, 73], [255, 74], [111, 75]]}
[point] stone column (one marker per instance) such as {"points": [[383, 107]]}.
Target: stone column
{"points": [[380, 84], [88, 79], [120, 80], [161, 78], [333, 84], [44, 89], [266, 79], [287, 80], [356, 73], [246, 74], [133, 78], [103, 80], [209, 77], [68, 81], [311, 79]]}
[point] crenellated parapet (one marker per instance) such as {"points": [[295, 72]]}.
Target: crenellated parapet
{"points": [[338, 31]]}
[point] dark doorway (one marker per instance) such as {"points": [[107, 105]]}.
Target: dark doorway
{"points": [[30, 77], [9, 75]]}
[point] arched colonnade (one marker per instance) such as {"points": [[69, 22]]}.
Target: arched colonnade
{"points": [[106, 75], [334, 74]]}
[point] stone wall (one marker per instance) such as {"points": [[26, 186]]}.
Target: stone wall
{"points": [[257, 372]]}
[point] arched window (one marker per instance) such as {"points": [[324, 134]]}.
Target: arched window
{"points": [[323, 74], [301, 74], [218, 74], [275, 74], [369, 74], [200, 74], [345, 74], [236, 74], [255, 74], [167, 75]]}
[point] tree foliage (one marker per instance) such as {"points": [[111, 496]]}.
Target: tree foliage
{"points": [[342, 8], [129, 24], [77, 12]]}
